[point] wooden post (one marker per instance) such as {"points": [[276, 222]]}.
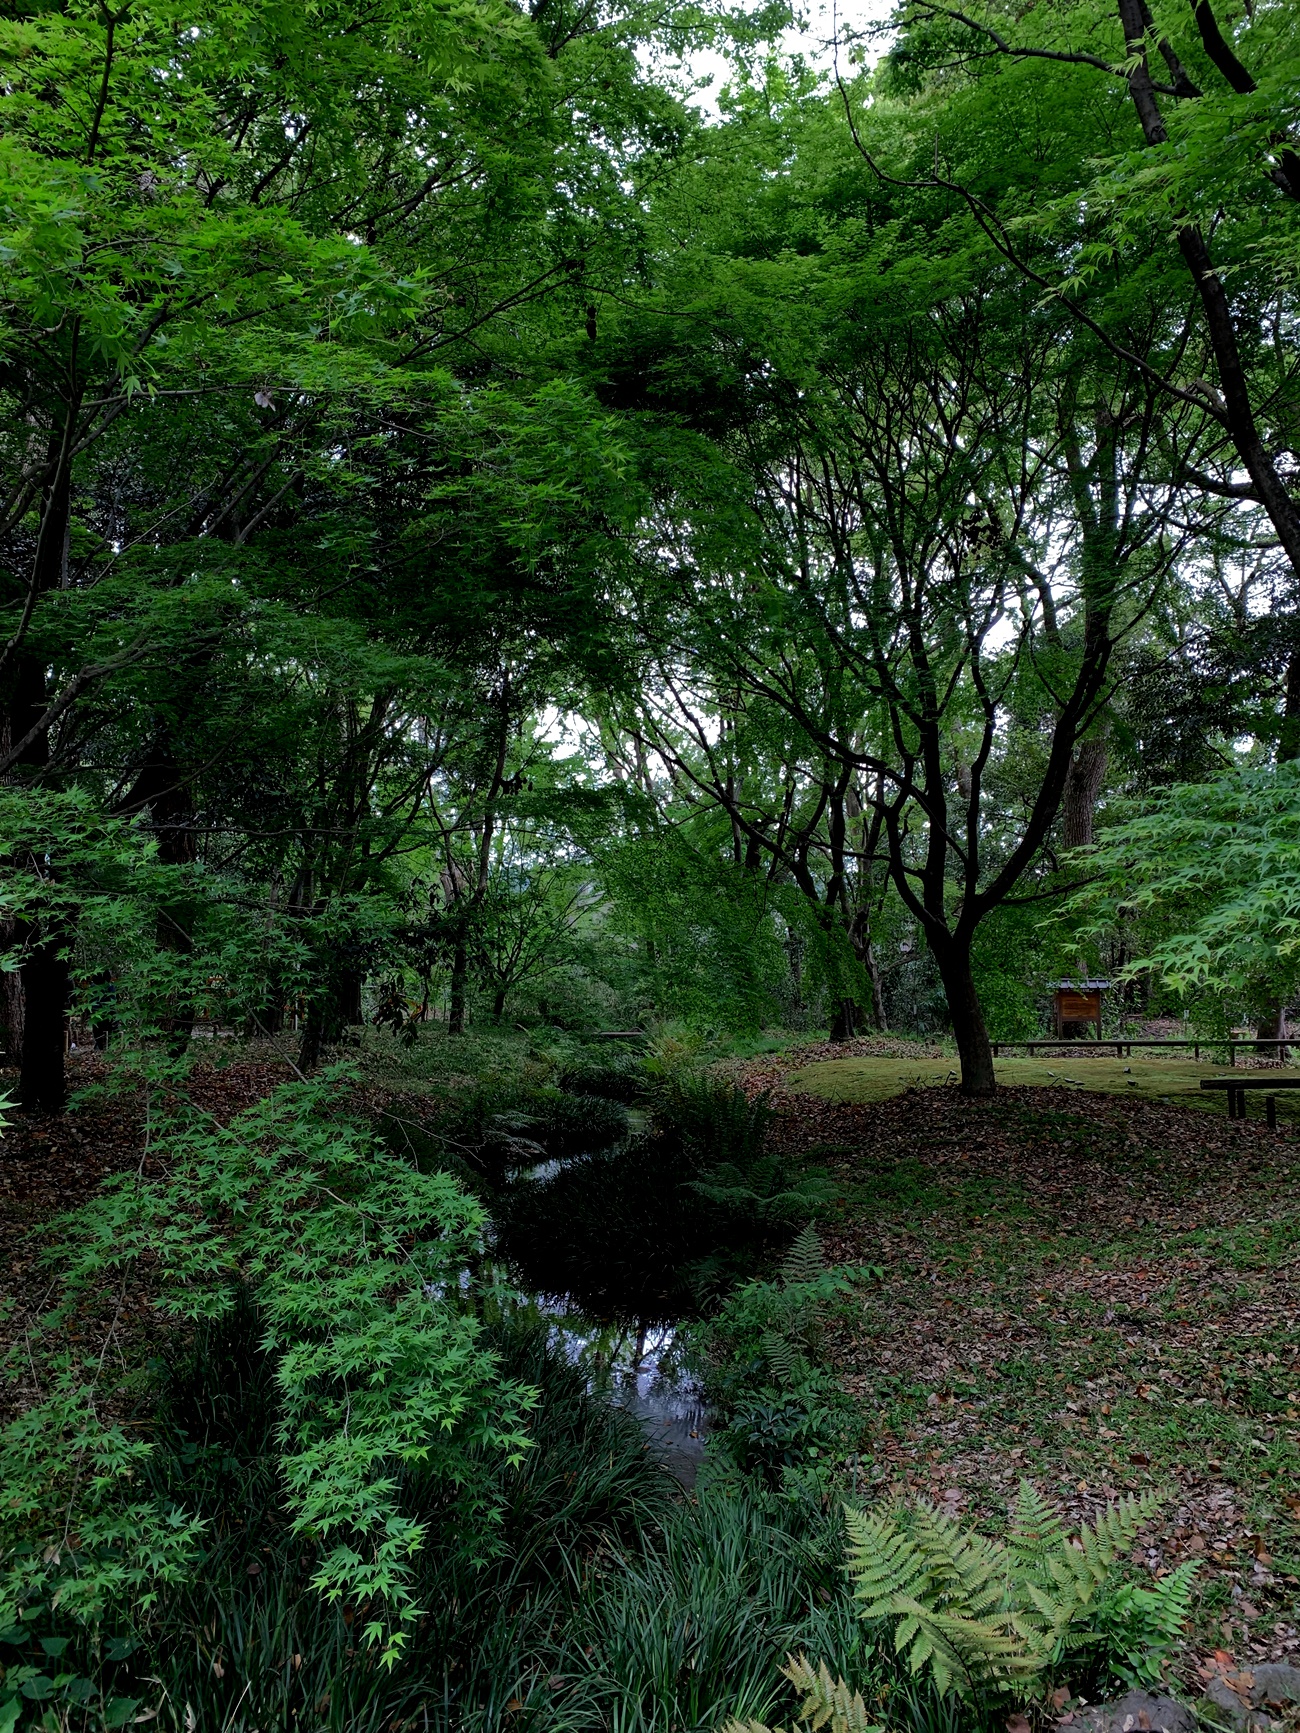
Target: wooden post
{"points": [[1270, 1111]]}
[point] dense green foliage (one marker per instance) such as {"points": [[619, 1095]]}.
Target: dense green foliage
{"points": [[996, 1619], [343, 1251], [486, 545]]}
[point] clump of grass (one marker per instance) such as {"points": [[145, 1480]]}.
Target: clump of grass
{"points": [[614, 1077]]}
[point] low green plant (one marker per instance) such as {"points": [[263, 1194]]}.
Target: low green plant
{"points": [[682, 1629], [778, 1407], [353, 1261], [826, 1702], [612, 1076], [984, 1620], [566, 1124], [1006, 1615]]}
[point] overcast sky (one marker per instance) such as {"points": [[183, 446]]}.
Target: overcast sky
{"points": [[813, 42]]}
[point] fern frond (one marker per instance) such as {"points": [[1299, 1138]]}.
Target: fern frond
{"points": [[979, 1611], [960, 1562], [788, 1365], [805, 1260], [1036, 1529], [883, 1561], [827, 1701], [1172, 1600], [1119, 1525]]}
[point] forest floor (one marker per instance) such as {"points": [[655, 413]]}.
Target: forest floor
{"points": [[1096, 1291]]}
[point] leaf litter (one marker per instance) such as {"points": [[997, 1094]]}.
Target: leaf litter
{"points": [[1098, 1292]]}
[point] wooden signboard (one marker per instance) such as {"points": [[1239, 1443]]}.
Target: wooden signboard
{"points": [[1078, 1005]]}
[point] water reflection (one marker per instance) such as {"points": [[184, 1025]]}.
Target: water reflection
{"points": [[636, 1367]]}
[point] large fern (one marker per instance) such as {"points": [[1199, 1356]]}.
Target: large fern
{"points": [[983, 1613], [987, 1615]]}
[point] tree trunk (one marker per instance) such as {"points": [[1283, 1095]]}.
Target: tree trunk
{"points": [[1272, 1027], [967, 1014], [1082, 787], [178, 1017], [42, 1086], [878, 1016], [499, 1006], [351, 982], [11, 1000], [1288, 746], [459, 978], [1238, 414], [844, 1024], [313, 1033], [865, 952]]}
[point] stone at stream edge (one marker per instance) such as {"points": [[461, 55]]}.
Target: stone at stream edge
{"points": [[1246, 1707], [1136, 1713]]}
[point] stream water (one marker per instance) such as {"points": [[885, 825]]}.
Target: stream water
{"points": [[638, 1370], [636, 1367]]}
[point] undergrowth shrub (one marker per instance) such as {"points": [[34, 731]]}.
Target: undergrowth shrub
{"points": [[246, 1641], [565, 1125], [352, 1259], [1010, 1615], [611, 1076], [605, 1600], [996, 1622], [779, 1411], [687, 1630]]}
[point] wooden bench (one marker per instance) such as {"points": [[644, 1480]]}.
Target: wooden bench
{"points": [[1237, 1087]]}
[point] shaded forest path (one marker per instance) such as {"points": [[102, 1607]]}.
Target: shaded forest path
{"points": [[1095, 1291]]}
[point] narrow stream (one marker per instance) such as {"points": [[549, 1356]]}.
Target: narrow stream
{"points": [[636, 1366]]}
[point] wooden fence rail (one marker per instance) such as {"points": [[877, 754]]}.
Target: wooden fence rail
{"points": [[1122, 1045]]}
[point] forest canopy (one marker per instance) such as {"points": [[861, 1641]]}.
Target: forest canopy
{"points": [[486, 539]]}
